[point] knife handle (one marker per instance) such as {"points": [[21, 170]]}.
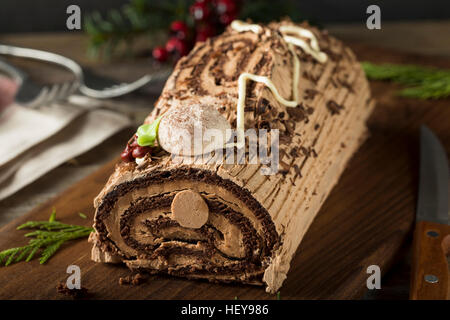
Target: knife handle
{"points": [[430, 270]]}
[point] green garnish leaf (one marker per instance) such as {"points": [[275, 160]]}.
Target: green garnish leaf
{"points": [[422, 82], [49, 237], [148, 133]]}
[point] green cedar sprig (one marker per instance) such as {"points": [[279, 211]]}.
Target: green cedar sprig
{"points": [[139, 18], [48, 238], [422, 82]]}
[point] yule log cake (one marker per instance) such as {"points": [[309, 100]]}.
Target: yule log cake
{"points": [[161, 212]]}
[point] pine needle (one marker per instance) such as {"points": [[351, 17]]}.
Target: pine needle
{"points": [[82, 215], [52, 216], [422, 82], [49, 236]]}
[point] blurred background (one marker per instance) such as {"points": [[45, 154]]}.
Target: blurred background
{"points": [[49, 15], [407, 22]]}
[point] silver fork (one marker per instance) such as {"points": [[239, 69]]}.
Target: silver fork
{"points": [[31, 94], [59, 92]]}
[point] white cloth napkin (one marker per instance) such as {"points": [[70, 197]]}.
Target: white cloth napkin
{"points": [[22, 128], [33, 142]]}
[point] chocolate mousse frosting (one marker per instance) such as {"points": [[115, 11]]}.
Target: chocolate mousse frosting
{"points": [[229, 222]]}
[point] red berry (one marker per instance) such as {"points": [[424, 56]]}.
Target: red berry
{"points": [[200, 11], [133, 142], [201, 36], [177, 45], [140, 152], [183, 49], [225, 6], [180, 29], [126, 154], [160, 54], [172, 44], [204, 32], [227, 18]]}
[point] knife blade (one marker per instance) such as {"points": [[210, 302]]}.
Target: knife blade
{"points": [[430, 273]]}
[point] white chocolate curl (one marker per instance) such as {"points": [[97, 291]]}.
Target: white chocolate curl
{"points": [[241, 26]]}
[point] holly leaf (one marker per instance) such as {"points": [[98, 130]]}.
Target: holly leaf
{"points": [[148, 133]]}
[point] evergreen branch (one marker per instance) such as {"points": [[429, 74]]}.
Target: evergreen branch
{"points": [[423, 82], [31, 255], [22, 255], [49, 237], [138, 18], [50, 250], [12, 255]]}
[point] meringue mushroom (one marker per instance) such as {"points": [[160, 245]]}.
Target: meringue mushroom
{"points": [[192, 130]]}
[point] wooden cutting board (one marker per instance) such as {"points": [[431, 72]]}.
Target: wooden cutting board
{"points": [[366, 219]]}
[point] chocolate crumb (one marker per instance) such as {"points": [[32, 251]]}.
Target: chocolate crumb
{"points": [[304, 151], [334, 107], [285, 167], [310, 94], [298, 113], [297, 171], [135, 280], [262, 105], [294, 152], [346, 84], [124, 280], [285, 139], [81, 293], [309, 110]]}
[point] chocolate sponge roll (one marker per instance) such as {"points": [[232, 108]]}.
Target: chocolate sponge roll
{"points": [[234, 244], [229, 222]]}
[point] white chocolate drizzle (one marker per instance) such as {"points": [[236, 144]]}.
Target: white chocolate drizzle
{"points": [[241, 26], [318, 55], [287, 31], [296, 75]]}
